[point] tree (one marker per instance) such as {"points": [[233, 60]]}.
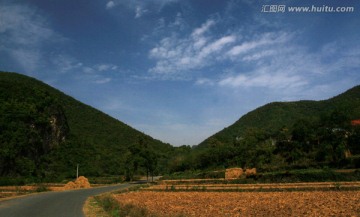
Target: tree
{"points": [[354, 140], [150, 163]]}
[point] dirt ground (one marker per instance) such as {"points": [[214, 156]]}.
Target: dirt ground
{"points": [[204, 204]]}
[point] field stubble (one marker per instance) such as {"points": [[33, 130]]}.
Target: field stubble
{"points": [[205, 203]]}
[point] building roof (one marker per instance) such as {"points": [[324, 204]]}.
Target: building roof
{"points": [[355, 122]]}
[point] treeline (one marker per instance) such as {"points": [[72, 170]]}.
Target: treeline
{"points": [[329, 141]]}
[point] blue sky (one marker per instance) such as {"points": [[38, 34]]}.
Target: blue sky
{"points": [[181, 70]]}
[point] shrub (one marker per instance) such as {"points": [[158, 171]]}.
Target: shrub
{"points": [[41, 188]]}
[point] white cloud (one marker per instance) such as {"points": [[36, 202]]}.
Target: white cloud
{"points": [[24, 33], [216, 46], [110, 4], [98, 73], [287, 69], [271, 62], [265, 39], [278, 80], [259, 55], [105, 67], [140, 7], [204, 81], [198, 32], [276, 61], [22, 26], [139, 12], [175, 55], [65, 63], [103, 80]]}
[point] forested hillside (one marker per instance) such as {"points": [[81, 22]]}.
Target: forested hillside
{"points": [[274, 116], [283, 135], [44, 134]]}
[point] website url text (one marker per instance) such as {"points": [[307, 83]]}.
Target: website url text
{"points": [[306, 9]]}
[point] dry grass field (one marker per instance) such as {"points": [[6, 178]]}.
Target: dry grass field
{"points": [[12, 191], [311, 186], [206, 204], [278, 199]]}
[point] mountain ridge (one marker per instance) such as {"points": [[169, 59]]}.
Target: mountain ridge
{"points": [[36, 113], [295, 110], [283, 136]]}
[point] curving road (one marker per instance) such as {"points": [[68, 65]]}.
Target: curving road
{"points": [[53, 204]]}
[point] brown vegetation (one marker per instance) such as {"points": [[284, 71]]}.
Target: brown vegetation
{"points": [[233, 173], [310, 186], [250, 172], [237, 173], [80, 182], [317, 203]]}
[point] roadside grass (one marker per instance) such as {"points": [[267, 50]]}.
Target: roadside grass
{"points": [[115, 209], [93, 209], [106, 205]]}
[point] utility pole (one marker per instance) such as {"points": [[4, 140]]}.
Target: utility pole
{"points": [[77, 171]]}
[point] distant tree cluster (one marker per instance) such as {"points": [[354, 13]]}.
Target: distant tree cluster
{"points": [[330, 141]]}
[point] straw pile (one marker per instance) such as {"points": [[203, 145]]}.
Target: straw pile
{"points": [[80, 182], [233, 173], [250, 172]]}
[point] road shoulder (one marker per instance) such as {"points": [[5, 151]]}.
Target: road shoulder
{"points": [[93, 209]]}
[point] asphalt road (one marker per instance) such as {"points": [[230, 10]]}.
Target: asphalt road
{"points": [[52, 204]]}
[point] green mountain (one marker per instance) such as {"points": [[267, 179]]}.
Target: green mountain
{"points": [[283, 135], [45, 134], [277, 115]]}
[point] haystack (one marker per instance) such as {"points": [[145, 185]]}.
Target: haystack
{"points": [[250, 172], [70, 185], [80, 182], [233, 173]]}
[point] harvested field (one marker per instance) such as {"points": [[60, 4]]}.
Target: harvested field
{"points": [[249, 187], [316, 203], [11, 191]]}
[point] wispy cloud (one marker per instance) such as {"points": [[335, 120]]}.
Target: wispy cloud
{"points": [[106, 67], [271, 61], [103, 80], [261, 42], [262, 78], [175, 54], [24, 34], [288, 69], [199, 32], [23, 26], [139, 12], [97, 73], [275, 60], [27, 58], [65, 63], [140, 7], [110, 4]]}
